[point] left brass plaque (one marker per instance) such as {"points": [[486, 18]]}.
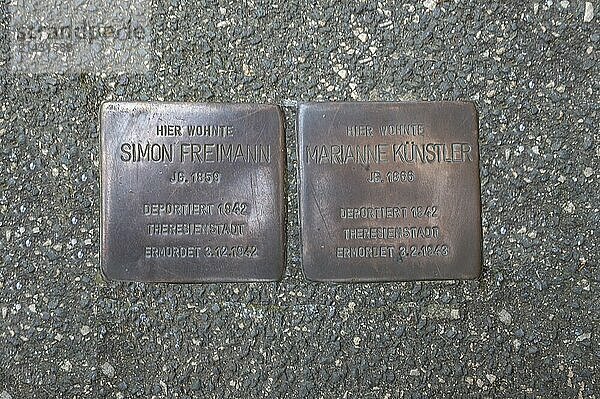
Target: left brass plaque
{"points": [[192, 192]]}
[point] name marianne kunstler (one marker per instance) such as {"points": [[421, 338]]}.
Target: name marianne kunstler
{"points": [[405, 152]]}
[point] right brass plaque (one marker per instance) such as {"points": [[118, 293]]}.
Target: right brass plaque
{"points": [[389, 191]]}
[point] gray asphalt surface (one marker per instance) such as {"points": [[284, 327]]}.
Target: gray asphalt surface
{"points": [[529, 328]]}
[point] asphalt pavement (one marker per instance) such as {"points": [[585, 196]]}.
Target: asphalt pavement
{"points": [[528, 328]]}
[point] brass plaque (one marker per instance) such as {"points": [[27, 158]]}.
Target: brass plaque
{"points": [[389, 191], [192, 192]]}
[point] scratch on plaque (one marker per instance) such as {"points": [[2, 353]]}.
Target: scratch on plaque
{"points": [[259, 135], [464, 120], [159, 266], [172, 193], [247, 114], [253, 188], [166, 270], [312, 191], [335, 114]]}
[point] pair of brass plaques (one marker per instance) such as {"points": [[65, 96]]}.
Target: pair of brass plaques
{"points": [[194, 192]]}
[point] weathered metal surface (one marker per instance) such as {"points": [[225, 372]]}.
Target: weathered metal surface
{"points": [[389, 191], [192, 192]]}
